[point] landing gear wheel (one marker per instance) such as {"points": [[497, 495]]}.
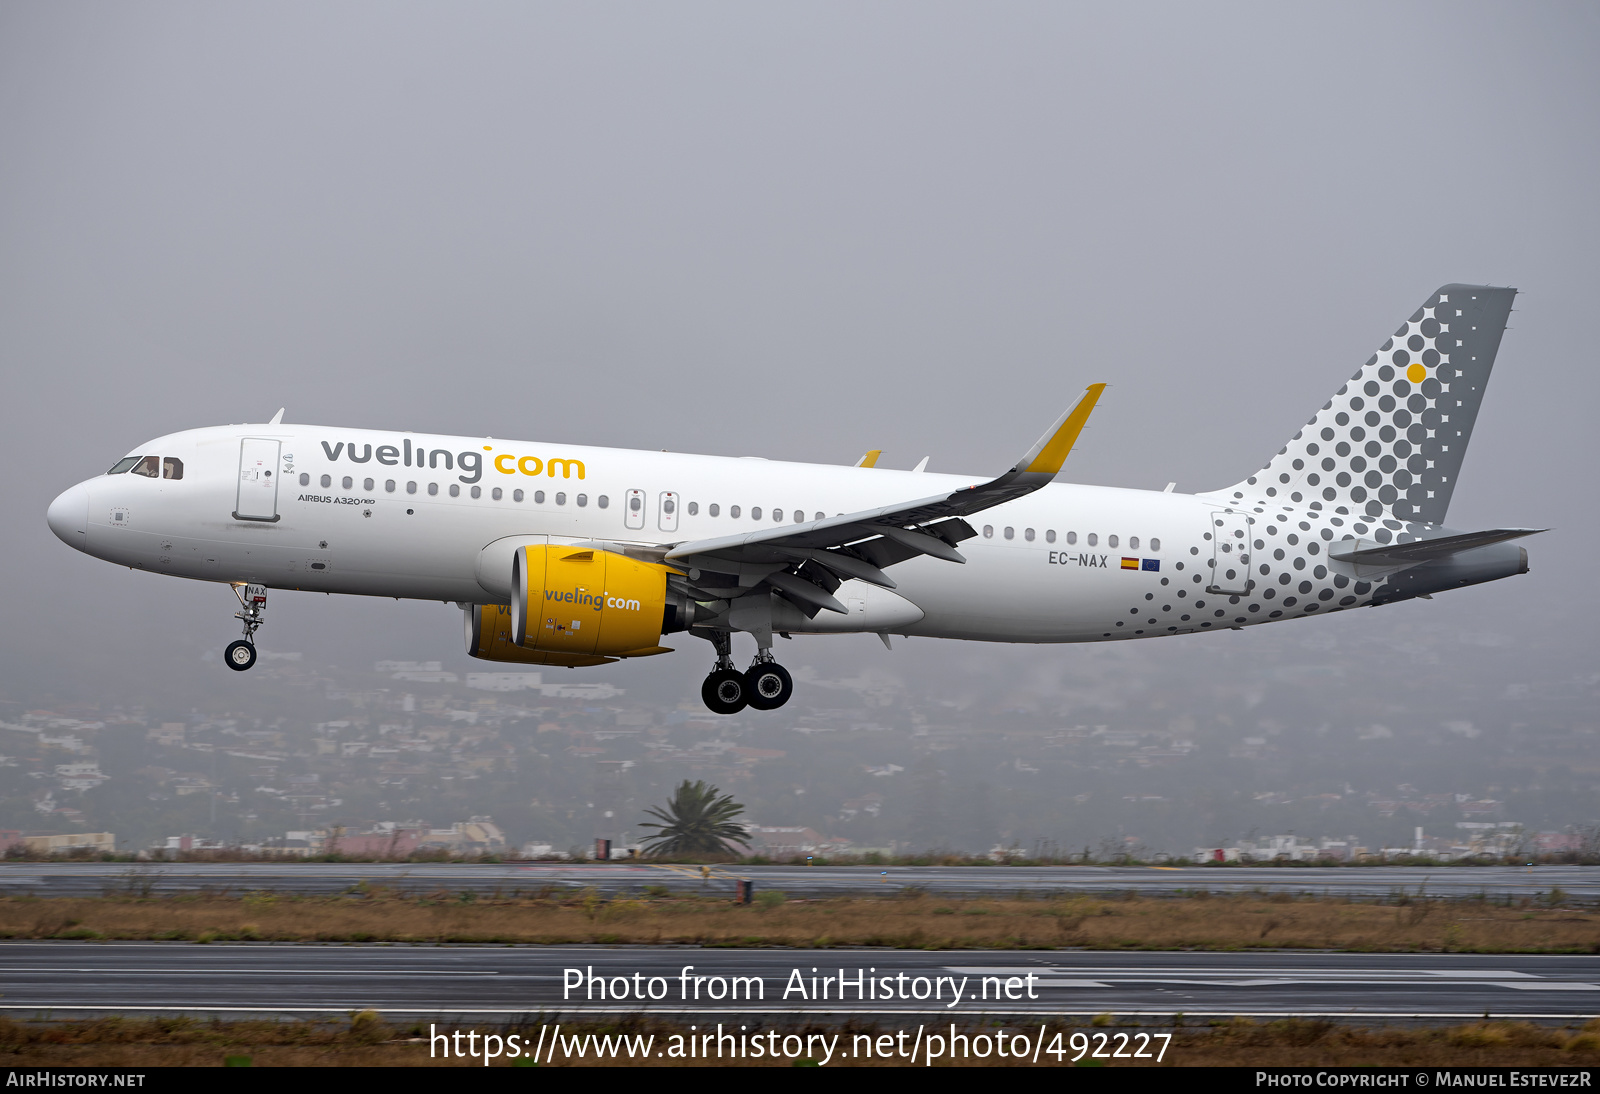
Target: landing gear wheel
{"points": [[725, 691], [770, 685], [240, 655]]}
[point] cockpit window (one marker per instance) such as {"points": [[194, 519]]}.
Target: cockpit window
{"points": [[172, 468], [123, 465], [149, 466]]}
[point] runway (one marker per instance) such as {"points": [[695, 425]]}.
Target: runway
{"points": [[157, 878], [71, 979]]}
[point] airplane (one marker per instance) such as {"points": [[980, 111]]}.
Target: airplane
{"points": [[573, 556]]}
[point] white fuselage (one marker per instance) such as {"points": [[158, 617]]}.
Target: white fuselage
{"points": [[1049, 567]]}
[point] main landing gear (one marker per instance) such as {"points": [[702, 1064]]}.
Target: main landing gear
{"points": [[767, 685], [241, 655]]}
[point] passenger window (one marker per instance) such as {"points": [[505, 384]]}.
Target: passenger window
{"points": [[820, 516], [733, 511], [1027, 534], [1155, 544], [455, 490], [561, 498], [799, 516], [1133, 543], [668, 506], [777, 516], [496, 494], [516, 495], [1094, 539], [538, 497], [1111, 541], [1049, 535], [635, 503], [477, 492], [694, 508], [411, 488], [755, 512], [1072, 537], [348, 482], [1010, 532], [122, 465], [149, 467], [327, 481], [305, 479], [603, 502], [388, 485], [172, 468], [714, 509], [988, 531], [582, 500], [433, 489]]}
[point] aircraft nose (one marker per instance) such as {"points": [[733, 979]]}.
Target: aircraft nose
{"points": [[69, 516]]}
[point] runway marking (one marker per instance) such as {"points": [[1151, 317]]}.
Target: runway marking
{"points": [[1181, 970], [1164, 1013], [54, 971]]}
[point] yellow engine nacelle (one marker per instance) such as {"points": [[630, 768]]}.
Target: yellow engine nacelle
{"points": [[576, 606]]}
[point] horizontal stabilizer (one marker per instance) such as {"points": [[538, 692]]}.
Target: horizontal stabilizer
{"points": [[1431, 550]]}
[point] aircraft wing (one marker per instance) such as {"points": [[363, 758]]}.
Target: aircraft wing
{"points": [[860, 545], [1428, 550]]}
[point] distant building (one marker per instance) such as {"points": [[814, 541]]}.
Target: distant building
{"points": [[69, 841], [789, 841], [169, 733], [505, 681]]}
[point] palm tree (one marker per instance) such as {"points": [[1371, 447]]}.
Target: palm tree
{"points": [[697, 822]]}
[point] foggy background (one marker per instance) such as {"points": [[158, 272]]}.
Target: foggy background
{"points": [[802, 232]]}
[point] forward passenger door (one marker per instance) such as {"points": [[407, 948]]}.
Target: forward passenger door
{"points": [[258, 480]]}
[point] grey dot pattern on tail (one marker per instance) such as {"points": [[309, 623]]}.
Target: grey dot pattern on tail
{"points": [[1376, 464]]}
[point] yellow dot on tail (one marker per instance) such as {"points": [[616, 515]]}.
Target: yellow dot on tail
{"points": [[1416, 374]]}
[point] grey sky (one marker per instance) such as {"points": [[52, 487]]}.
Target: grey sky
{"points": [[796, 231]]}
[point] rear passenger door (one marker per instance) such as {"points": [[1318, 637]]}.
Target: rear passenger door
{"points": [[1230, 552]]}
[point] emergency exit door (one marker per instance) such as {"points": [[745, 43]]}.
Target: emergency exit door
{"points": [[258, 480], [1230, 552]]}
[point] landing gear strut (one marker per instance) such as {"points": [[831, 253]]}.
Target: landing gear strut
{"points": [[767, 685], [241, 655], [725, 690]]}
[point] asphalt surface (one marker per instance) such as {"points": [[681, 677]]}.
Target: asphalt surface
{"points": [[101, 878], [68, 979]]}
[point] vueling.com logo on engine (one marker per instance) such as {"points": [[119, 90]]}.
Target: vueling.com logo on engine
{"points": [[584, 598]]}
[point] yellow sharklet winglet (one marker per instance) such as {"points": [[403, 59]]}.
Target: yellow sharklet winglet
{"points": [[1047, 456], [870, 459]]}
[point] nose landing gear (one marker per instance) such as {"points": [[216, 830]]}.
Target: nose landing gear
{"points": [[241, 655]]}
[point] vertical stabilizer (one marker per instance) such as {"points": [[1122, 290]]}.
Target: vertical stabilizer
{"points": [[1391, 441]]}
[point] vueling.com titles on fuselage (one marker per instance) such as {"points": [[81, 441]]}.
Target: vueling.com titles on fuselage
{"points": [[405, 455]]}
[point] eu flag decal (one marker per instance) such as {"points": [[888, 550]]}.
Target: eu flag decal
{"points": [[1151, 564]]}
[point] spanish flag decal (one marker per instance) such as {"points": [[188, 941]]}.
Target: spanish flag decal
{"points": [[1130, 564]]}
